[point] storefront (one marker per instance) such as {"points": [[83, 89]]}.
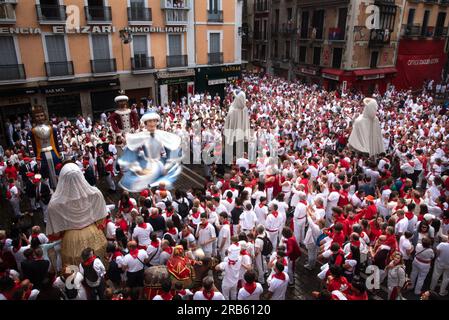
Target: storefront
{"points": [[215, 79], [173, 86], [419, 60], [308, 74]]}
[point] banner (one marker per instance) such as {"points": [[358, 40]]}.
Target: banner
{"points": [[419, 60]]}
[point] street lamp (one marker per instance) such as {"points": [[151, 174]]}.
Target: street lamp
{"points": [[126, 37]]}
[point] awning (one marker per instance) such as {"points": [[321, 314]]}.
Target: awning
{"points": [[333, 74], [370, 72]]}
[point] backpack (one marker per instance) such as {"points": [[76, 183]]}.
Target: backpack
{"points": [[267, 246], [114, 272], [183, 209], [101, 168]]}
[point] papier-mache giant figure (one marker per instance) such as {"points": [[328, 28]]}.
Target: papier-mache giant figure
{"points": [[74, 211], [44, 143], [123, 120], [366, 135], [237, 126], [150, 157]]}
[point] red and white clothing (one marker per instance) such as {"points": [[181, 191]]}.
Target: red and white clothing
{"points": [[204, 295], [299, 221], [154, 252], [272, 225], [278, 284], [250, 291], [134, 260], [142, 233], [261, 213]]}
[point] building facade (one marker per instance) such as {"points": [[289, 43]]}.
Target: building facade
{"points": [[343, 44], [73, 56]]}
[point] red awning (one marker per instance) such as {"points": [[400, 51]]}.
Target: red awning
{"points": [[336, 72], [369, 72]]}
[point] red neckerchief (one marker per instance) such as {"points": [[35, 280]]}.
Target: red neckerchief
{"points": [[182, 292], [230, 200], [208, 294], [356, 243], [168, 214], [232, 262], [320, 206], [225, 222], [166, 296], [409, 215], [196, 215], [445, 220], [155, 243], [34, 235], [280, 276], [261, 205], [399, 207], [244, 252], [172, 231], [203, 226], [89, 261], [303, 202], [117, 253], [215, 195], [134, 253], [250, 287], [142, 225], [169, 250], [274, 213]]}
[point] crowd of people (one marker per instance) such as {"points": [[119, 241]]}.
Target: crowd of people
{"points": [[297, 189]]}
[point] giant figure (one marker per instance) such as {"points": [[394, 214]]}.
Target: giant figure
{"points": [[150, 157], [123, 120], [237, 127], [366, 135], [44, 144], [74, 211]]}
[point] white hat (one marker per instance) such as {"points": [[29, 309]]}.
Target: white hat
{"points": [[151, 115], [121, 98], [429, 217]]}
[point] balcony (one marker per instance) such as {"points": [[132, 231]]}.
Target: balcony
{"points": [[140, 16], [12, 72], [177, 61], [316, 34], [215, 58], [215, 16], [7, 13], [262, 6], [288, 29], [60, 69], [98, 15], [103, 66], [336, 34], [444, 2], [175, 4], [411, 30], [51, 14], [176, 17], [440, 32], [260, 36], [142, 63], [379, 37], [427, 32]]}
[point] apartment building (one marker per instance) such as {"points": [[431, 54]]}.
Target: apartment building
{"points": [[163, 50]]}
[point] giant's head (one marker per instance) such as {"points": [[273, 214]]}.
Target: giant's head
{"points": [[371, 107], [39, 115], [121, 101], [240, 100]]}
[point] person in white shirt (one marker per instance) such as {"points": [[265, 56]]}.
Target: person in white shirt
{"points": [[18, 250], [248, 219], [208, 292], [278, 283], [421, 264], [246, 259], [224, 236], [332, 201], [93, 271], [441, 267], [299, 218], [401, 223], [142, 233], [259, 258], [231, 266], [251, 290], [243, 162], [261, 210], [154, 250], [206, 235], [406, 247], [273, 225], [133, 263]]}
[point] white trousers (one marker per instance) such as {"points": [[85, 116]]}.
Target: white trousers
{"points": [[418, 275], [299, 226], [229, 292], [260, 267], [312, 254], [439, 270], [273, 236], [269, 194]]}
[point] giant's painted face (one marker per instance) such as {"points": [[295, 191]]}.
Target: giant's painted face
{"points": [[40, 118], [122, 105], [151, 125]]}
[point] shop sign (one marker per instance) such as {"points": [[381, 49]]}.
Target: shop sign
{"points": [[175, 80], [168, 75], [236, 68], [217, 81], [308, 71], [374, 76], [330, 76]]}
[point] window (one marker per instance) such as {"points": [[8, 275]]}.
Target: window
{"points": [[317, 56], [7, 12], [175, 45], [374, 58], [214, 5], [336, 57], [215, 14], [214, 45], [264, 31], [287, 50], [102, 62], [425, 23], [439, 27], [140, 47], [57, 64], [304, 25], [342, 17], [263, 52], [289, 14], [276, 20], [411, 17], [9, 67], [318, 22], [302, 54], [276, 49]]}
